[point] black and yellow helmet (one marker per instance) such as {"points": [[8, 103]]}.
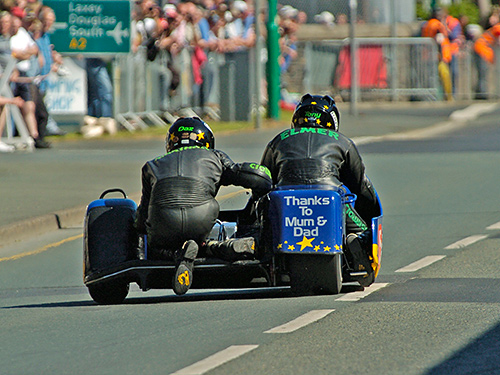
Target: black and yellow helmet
{"points": [[316, 111], [189, 131]]}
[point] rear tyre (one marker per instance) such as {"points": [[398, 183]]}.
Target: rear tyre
{"points": [[310, 274], [109, 293]]}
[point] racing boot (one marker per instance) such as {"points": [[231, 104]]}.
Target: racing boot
{"points": [[183, 277], [356, 245], [232, 249]]}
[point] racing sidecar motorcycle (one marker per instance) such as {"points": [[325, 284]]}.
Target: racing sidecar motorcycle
{"points": [[302, 246]]}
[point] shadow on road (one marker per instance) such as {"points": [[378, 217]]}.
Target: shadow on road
{"points": [[479, 357], [193, 296]]}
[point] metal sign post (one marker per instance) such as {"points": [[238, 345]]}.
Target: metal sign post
{"points": [[91, 26], [353, 5], [258, 64], [273, 69]]}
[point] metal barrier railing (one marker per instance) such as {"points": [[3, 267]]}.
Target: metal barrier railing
{"points": [[12, 114], [468, 68], [147, 92], [388, 68], [395, 69]]}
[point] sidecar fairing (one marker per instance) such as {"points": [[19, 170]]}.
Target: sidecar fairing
{"points": [[309, 234]]}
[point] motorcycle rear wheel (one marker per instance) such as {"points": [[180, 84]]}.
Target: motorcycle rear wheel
{"points": [[311, 273]]}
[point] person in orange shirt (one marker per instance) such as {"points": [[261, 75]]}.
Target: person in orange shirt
{"points": [[435, 29], [485, 43], [457, 38], [483, 47]]}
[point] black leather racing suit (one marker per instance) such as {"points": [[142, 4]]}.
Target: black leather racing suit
{"points": [[178, 196], [318, 156]]}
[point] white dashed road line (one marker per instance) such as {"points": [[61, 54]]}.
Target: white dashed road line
{"points": [[424, 262], [216, 360], [236, 351], [466, 242], [356, 296], [301, 321]]}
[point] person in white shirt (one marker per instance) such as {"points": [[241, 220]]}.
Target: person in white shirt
{"points": [[25, 49]]}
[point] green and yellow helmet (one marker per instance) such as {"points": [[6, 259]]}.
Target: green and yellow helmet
{"points": [[189, 131], [316, 111]]}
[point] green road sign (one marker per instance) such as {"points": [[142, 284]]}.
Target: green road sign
{"points": [[91, 27]]}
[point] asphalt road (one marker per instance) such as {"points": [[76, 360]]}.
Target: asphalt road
{"points": [[433, 310]]}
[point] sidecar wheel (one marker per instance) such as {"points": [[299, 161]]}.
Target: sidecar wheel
{"points": [[310, 274], [109, 293]]}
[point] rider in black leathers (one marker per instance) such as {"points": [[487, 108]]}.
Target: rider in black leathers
{"points": [[313, 152], [178, 207]]}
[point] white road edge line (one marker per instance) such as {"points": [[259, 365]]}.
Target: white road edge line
{"points": [[494, 226], [356, 296], [215, 360], [424, 262], [301, 321], [466, 242], [473, 111]]}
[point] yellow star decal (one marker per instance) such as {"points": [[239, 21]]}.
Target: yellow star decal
{"points": [[327, 248], [316, 248], [314, 103], [172, 137], [337, 247], [305, 243], [280, 246], [318, 121], [200, 135], [325, 107], [329, 124], [291, 247]]}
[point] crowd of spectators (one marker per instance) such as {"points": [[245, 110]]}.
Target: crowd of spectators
{"points": [[213, 25], [24, 26], [204, 28], [171, 27]]}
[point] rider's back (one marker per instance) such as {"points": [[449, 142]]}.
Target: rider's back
{"points": [[313, 156]]}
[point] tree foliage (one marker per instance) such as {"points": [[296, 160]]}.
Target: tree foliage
{"points": [[465, 7]]}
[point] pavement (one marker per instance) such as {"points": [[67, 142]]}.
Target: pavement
{"points": [[46, 190]]}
